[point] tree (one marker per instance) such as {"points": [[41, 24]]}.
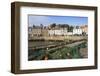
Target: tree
{"points": [[34, 26], [41, 25], [53, 25], [77, 27], [70, 29]]}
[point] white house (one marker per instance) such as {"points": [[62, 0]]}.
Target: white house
{"points": [[57, 32], [51, 32], [77, 31]]}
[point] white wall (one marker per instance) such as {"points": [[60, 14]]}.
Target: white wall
{"points": [[5, 42]]}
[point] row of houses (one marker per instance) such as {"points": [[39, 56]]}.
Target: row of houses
{"points": [[58, 31], [75, 31]]}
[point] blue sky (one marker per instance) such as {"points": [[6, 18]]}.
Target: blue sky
{"points": [[47, 20]]}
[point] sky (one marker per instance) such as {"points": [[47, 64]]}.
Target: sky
{"points": [[47, 20]]}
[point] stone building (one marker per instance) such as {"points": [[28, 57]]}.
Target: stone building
{"points": [[84, 29]]}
